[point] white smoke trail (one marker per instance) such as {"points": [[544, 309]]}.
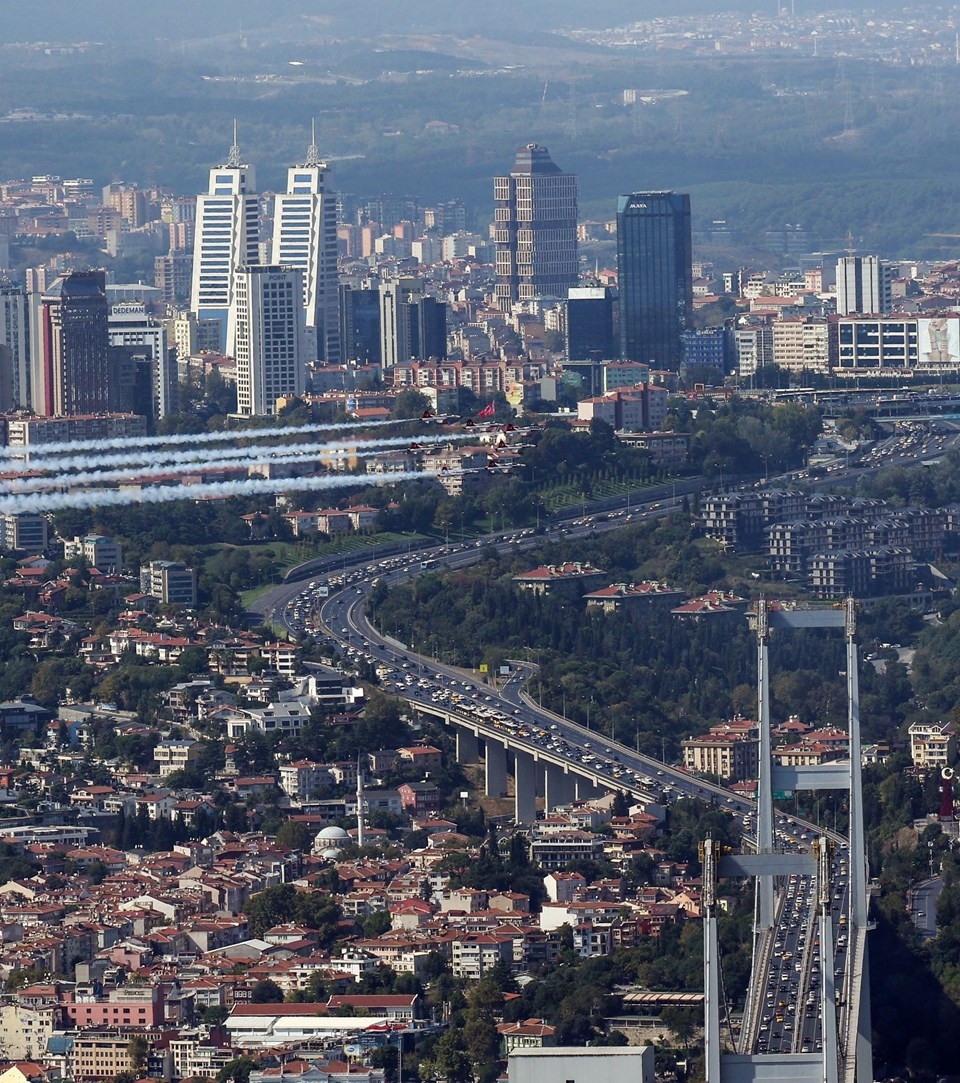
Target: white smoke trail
{"points": [[194, 458], [162, 494], [121, 442], [231, 459]]}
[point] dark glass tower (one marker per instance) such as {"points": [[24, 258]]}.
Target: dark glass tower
{"points": [[654, 263]]}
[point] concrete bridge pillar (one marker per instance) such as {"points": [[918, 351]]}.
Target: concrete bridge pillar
{"points": [[525, 788], [495, 763], [468, 747], [587, 790], [559, 788]]}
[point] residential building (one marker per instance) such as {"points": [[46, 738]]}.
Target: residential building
{"points": [[305, 236], [535, 229], [802, 345], [227, 237], [98, 551], [23, 531], [933, 744], [171, 581], [655, 276], [266, 327], [573, 579], [730, 751]]}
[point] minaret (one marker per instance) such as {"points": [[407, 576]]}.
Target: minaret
{"points": [[360, 818]]}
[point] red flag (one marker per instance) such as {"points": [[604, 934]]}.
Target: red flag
{"points": [[487, 411]]}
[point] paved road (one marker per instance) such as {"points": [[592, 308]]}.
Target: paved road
{"points": [[923, 906]]}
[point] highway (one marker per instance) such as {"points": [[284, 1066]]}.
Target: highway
{"points": [[787, 1017]]}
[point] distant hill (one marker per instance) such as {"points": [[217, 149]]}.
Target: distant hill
{"points": [[175, 20]]}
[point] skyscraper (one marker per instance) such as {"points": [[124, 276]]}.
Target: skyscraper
{"points": [[266, 327], [227, 236], [305, 236], [535, 229], [71, 346], [863, 285], [14, 348], [655, 270]]}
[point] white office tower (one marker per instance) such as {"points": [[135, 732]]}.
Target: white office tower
{"points": [[227, 237], [305, 236], [267, 330], [864, 284], [14, 349]]}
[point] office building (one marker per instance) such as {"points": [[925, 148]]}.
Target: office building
{"points": [[14, 348], [535, 229], [305, 236], [360, 324], [589, 324], [411, 325], [70, 347], [655, 269], [863, 285], [227, 237], [140, 358], [267, 328]]}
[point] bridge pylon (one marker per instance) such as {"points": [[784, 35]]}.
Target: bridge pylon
{"points": [[836, 1047]]}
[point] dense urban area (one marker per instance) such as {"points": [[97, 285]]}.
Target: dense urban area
{"points": [[424, 542]]}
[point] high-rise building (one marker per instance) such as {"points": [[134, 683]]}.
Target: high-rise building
{"points": [[535, 229], [360, 324], [588, 322], [138, 344], [227, 236], [655, 273], [305, 236], [863, 285], [172, 275], [14, 348], [70, 347], [266, 327], [411, 325]]}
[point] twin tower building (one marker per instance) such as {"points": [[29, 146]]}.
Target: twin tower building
{"points": [[279, 314]]}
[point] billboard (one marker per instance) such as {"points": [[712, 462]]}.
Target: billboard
{"points": [[938, 342]]}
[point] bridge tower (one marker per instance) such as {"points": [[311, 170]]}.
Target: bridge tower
{"points": [[845, 1055]]}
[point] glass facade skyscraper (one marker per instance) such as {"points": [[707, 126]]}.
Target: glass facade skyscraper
{"points": [[655, 272]]}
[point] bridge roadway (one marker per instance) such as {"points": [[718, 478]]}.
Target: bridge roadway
{"points": [[558, 760]]}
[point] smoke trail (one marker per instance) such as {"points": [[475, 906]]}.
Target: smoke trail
{"points": [[274, 456], [194, 458], [119, 443], [162, 494]]}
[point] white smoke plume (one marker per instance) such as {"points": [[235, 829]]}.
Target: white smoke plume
{"points": [[236, 458], [137, 442], [169, 461], [161, 494]]}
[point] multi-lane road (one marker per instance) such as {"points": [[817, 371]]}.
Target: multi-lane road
{"points": [[332, 606]]}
